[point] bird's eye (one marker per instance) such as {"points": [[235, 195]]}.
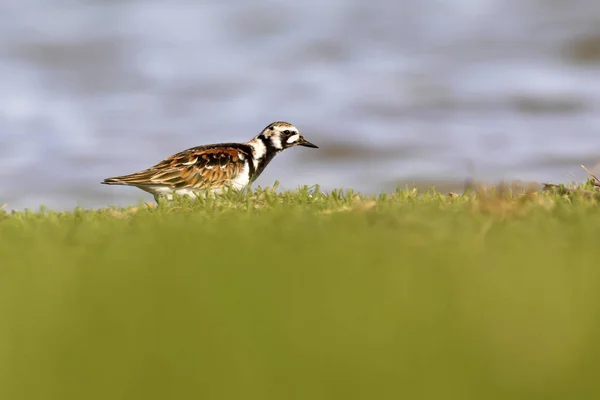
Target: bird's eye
{"points": [[287, 132]]}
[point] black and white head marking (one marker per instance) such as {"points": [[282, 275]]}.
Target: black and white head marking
{"points": [[275, 138], [282, 135]]}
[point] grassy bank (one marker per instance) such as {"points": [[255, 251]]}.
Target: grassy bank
{"points": [[305, 295]]}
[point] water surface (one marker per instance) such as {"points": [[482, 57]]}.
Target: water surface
{"points": [[393, 92]]}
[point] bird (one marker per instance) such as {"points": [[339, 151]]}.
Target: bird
{"points": [[214, 167]]}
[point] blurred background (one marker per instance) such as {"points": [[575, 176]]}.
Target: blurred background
{"points": [[394, 92]]}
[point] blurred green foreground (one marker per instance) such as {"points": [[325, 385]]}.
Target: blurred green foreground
{"points": [[304, 295]]}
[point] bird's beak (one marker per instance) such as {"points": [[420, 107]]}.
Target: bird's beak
{"points": [[306, 143]]}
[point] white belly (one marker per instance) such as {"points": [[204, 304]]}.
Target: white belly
{"points": [[168, 193], [243, 179]]}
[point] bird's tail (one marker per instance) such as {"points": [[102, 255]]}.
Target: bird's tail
{"points": [[141, 178], [116, 180]]}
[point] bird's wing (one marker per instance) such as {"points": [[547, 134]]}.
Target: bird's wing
{"points": [[199, 168]]}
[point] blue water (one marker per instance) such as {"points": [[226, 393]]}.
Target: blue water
{"points": [[414, 90]]}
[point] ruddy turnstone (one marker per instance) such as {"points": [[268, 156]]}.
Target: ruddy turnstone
{"points": [[214, 167]]}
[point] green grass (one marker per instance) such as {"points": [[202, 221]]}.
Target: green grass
{"points": [[305, 295]]}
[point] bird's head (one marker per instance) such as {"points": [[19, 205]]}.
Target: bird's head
{"points": [[282, 135]]}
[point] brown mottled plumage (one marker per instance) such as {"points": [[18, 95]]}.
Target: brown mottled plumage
{"points": [[198, 167]]}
